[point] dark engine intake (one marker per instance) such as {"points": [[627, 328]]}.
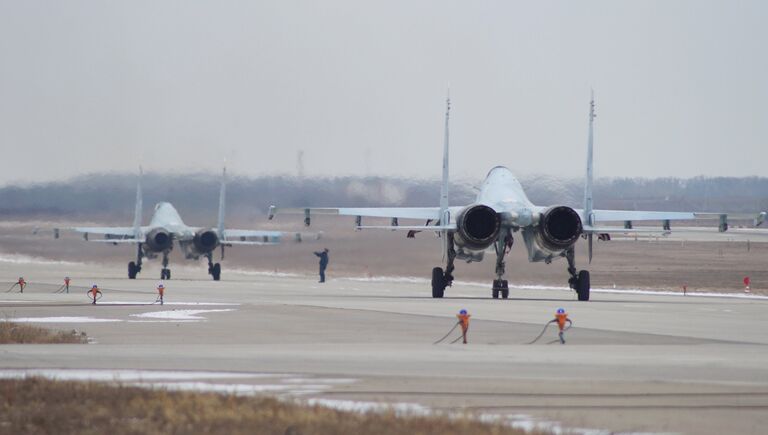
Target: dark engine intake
{"points": [[159, 240], [205, 241], [559, 228], [478, 227]]}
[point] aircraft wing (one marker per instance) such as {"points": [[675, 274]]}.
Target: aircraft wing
{"points": [[622, 230], [230, 234], [602, 216], [111, 234], [629, 215], [381, 212], [261, 237], [111, 231], [248, 243], [118, 241], [408, 227]]}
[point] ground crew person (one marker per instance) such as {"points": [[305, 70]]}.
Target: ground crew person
{"points": [[93, 292], [21, 284], [562, 318], [464, 321], [160, 292], [66, 283], [323, 263]]}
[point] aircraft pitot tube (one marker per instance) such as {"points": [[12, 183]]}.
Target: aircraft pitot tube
{"points": [[205, 241], [477, 227], [159, 240], [559, 228]]}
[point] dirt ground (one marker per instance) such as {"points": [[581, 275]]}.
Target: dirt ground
{"points": [[644, 263]]}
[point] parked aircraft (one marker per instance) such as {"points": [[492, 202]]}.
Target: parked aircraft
{"points": [[500, 210], [166, 226]]}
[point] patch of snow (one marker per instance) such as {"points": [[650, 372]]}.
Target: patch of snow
{"points": [[179, 314], [362, 407], [62, 320], [266, 273], [240, 389], [26, 259]]}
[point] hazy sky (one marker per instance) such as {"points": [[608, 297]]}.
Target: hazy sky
{"points": [[85, 86]]}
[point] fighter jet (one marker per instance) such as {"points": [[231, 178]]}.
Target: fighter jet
{"points": [[500, 210], [166, 226]]}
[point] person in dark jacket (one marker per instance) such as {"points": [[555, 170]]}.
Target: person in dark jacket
{"points": [[323, 262]]}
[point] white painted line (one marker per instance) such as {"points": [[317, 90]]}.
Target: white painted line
{"points": [[162, 321], [130, 375], [337, 381], [144, 302], [415, 280]]}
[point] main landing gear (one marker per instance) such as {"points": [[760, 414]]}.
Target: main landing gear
{"points": [[135, 267], [500, 285], [440, 279], [578, 281], [165, 273], [213, 269]]}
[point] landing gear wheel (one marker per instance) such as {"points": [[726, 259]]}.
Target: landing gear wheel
{"points": [[165, 274], [438, 283], [132, 270], [216, 271], [582, 285], [500, 287]]}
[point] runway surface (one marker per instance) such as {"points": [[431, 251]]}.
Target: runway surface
{"points": [[632, 362]]}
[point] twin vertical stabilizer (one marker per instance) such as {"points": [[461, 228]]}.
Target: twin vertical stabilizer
{"points": [[222, 203], [445, 216], [137, 214], [588, 203]]}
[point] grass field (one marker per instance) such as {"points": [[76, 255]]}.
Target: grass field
{"points": [[16, 333], [39, 406]]}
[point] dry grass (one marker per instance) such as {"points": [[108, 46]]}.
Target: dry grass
{"points": [[39, 406], [15, 333]]}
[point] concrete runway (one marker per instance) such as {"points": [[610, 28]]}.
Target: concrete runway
{"points": [[632, 362]]}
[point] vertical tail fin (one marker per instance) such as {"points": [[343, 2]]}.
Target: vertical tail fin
{"points": [[588, 203], [137, 214], [222, 203], [444, 215]]}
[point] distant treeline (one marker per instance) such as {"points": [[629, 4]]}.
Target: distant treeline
{"points": [[99, 196]]}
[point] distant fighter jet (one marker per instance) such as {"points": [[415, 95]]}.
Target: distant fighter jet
{"points": [[166, 227], [501, 209]]}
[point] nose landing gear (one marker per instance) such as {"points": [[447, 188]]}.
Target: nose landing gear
{"points": [[165, 273]]}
